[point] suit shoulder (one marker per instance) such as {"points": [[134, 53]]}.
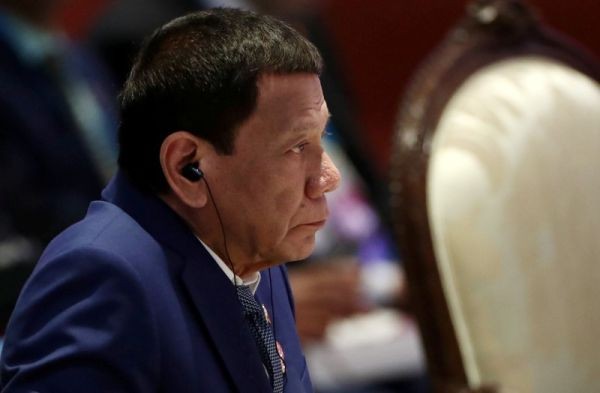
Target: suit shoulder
{"points": [[107, 232]]}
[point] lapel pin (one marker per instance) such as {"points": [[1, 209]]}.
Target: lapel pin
{"points": [[281, 355], [267, 317]]}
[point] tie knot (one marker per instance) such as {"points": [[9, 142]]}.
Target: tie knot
{"points": [[248, 301]]}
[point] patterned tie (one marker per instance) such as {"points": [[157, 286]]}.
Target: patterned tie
{"points": [[263, 335]]}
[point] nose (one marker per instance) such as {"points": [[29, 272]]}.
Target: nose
{"points": [[327, 181]]}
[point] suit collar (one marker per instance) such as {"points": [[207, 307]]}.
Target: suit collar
{"points": [[152, 214], [212, 294]]}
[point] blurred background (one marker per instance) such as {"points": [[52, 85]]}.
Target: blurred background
{"points": [[62, 63]]}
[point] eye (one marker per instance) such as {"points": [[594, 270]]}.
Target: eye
{"points": [[299, 148]]}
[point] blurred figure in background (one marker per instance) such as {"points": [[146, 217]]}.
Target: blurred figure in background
{"points": [[57, 136]]}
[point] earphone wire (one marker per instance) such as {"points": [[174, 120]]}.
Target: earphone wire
{"points": [[231, 266], [274, 319]]}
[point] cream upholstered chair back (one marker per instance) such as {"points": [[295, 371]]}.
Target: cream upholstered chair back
{"points": [[514, 207], [496, 186]]}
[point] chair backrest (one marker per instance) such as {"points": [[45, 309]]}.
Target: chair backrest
{"points": [[495, 180]]}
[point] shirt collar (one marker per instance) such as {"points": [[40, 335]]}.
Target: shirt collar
{"points": [[252, 282]]}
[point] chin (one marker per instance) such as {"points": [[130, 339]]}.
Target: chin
{"points": [[302, 250], [294, 248]]}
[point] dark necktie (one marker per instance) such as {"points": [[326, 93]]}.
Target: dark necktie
{"points": [[263, 335]]}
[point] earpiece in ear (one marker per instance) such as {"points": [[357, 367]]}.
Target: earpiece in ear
{"points": [[192, 172]]}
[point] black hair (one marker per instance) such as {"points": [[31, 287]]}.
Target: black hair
{"points": [[199, 73]]}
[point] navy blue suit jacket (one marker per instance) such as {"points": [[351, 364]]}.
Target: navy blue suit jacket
{"points": [[128, 300]]}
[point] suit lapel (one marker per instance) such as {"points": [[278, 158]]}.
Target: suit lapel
{"points": [[222, 316], [212, 294]]}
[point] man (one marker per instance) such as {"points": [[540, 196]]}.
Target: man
{"points": [[222, 179]]}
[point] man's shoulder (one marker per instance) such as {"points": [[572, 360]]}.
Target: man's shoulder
{"points": [[103, 227], [106, 233], [107, 248], [85, 300]]}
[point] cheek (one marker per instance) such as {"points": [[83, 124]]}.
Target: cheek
{"points": [[289, 203], [272, 226], [273, 200], [281, 210]]}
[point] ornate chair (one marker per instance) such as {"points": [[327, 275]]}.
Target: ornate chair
{"points": [[496, 201]]}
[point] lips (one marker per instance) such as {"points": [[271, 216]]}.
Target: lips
{"points": [[317, 223], [317, 219]]}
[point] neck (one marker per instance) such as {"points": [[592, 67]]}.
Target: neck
{"points": [[206, 226]]}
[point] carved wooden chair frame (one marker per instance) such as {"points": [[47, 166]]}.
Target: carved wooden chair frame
{"points": [[492, 30]]}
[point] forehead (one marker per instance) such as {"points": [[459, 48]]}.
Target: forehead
{"points": [[288, 106], [274, 87], [291, 98]]}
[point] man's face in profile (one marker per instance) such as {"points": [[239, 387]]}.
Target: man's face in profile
{"points": [[272, 188]]}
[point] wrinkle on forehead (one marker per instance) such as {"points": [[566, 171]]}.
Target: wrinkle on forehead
{"points": [[303, 91], [274, 89], [312, 122]]}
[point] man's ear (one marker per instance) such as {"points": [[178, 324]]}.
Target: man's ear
{"points": [[178, 150]]}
